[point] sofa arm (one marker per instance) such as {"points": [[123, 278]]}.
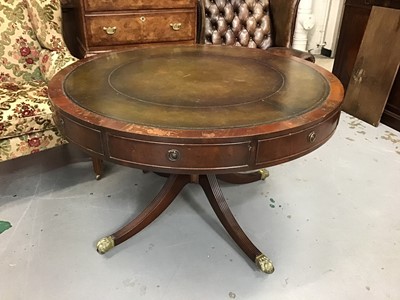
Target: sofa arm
{"points": [[291, 52], [53, 61]]}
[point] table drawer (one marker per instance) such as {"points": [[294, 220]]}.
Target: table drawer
{"points": [[87, 138], [193, 157], [134, 28], [284, 148], [107, 5]]}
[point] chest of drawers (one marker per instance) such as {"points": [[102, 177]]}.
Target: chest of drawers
{"points": [[105, 25]]}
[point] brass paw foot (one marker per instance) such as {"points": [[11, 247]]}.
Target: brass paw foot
{"points": [[105, 244], [264, 264], [264, 173]]}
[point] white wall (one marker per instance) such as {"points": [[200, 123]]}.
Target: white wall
{"points": [[333, 25], [328, 14]]}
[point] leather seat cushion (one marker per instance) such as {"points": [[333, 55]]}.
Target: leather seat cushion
{"points": [[238, 22]]}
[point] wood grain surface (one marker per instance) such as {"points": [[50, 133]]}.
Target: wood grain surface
{"points": [[376, 66]]}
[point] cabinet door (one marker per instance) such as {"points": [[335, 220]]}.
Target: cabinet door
{"points": [[354, 22]]}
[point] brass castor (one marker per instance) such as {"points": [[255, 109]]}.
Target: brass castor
{"points": [[264, 264], [105, 244], [264, 173]]}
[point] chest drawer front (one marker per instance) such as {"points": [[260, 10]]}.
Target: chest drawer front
{"points": [[122, 29], [107, 5]]}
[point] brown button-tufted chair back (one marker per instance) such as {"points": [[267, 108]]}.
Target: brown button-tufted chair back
{"points": [[249, 23]]}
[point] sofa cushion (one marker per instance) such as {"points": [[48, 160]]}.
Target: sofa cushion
{"points": [[29, 143], [19, 48], [32, 51], [24, 108], [45, 18]]}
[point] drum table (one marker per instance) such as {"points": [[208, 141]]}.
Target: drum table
{"points": [[196, 114]]}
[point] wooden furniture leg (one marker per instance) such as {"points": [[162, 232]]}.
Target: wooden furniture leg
{"points": [[214, 194], [164, 198], [242, 178], [97, 167], [167, 194]]}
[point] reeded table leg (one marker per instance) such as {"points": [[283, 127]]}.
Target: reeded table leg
{"points": [[164, 198], [97, 167], [214, 194], [241, 178]]}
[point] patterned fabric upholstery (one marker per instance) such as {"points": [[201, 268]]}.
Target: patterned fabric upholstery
{"points": [[19, 49], [32, 51]]}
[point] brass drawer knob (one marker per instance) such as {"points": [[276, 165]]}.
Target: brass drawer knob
{"points": [[58, 120], [176, 26], [110, 30], [173, 155], [142, 19]]}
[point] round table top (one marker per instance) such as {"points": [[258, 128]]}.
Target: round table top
{"points": [[198, 87], [196, 109]]}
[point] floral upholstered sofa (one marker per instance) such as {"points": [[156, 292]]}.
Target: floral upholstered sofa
{"points": [[32, 50]]}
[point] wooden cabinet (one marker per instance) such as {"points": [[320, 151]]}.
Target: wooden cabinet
{"points": [[354, 23], [69, 26], [104, 25]]}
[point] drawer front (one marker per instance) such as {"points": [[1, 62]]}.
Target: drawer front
{"points": [[134, 28], [107, 5], [284, 148], [87, 138], [193, 157]]}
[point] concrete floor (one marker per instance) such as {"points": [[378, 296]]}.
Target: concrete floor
{"points": [[329, 221]]}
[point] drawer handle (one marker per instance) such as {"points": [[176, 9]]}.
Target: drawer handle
{"points": [[62, 122], [176, 26], [312, 137], [173, 155], [110, 30], [142, 19]]}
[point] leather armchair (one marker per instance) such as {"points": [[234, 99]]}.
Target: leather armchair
{"points": [[265, 24]]}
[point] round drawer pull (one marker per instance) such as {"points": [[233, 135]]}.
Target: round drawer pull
{"points": [[173, 155], [312, 137], [142, 19], [59, 121]]}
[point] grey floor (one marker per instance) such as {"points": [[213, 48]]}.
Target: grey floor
{"points": [[329, 221]]}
